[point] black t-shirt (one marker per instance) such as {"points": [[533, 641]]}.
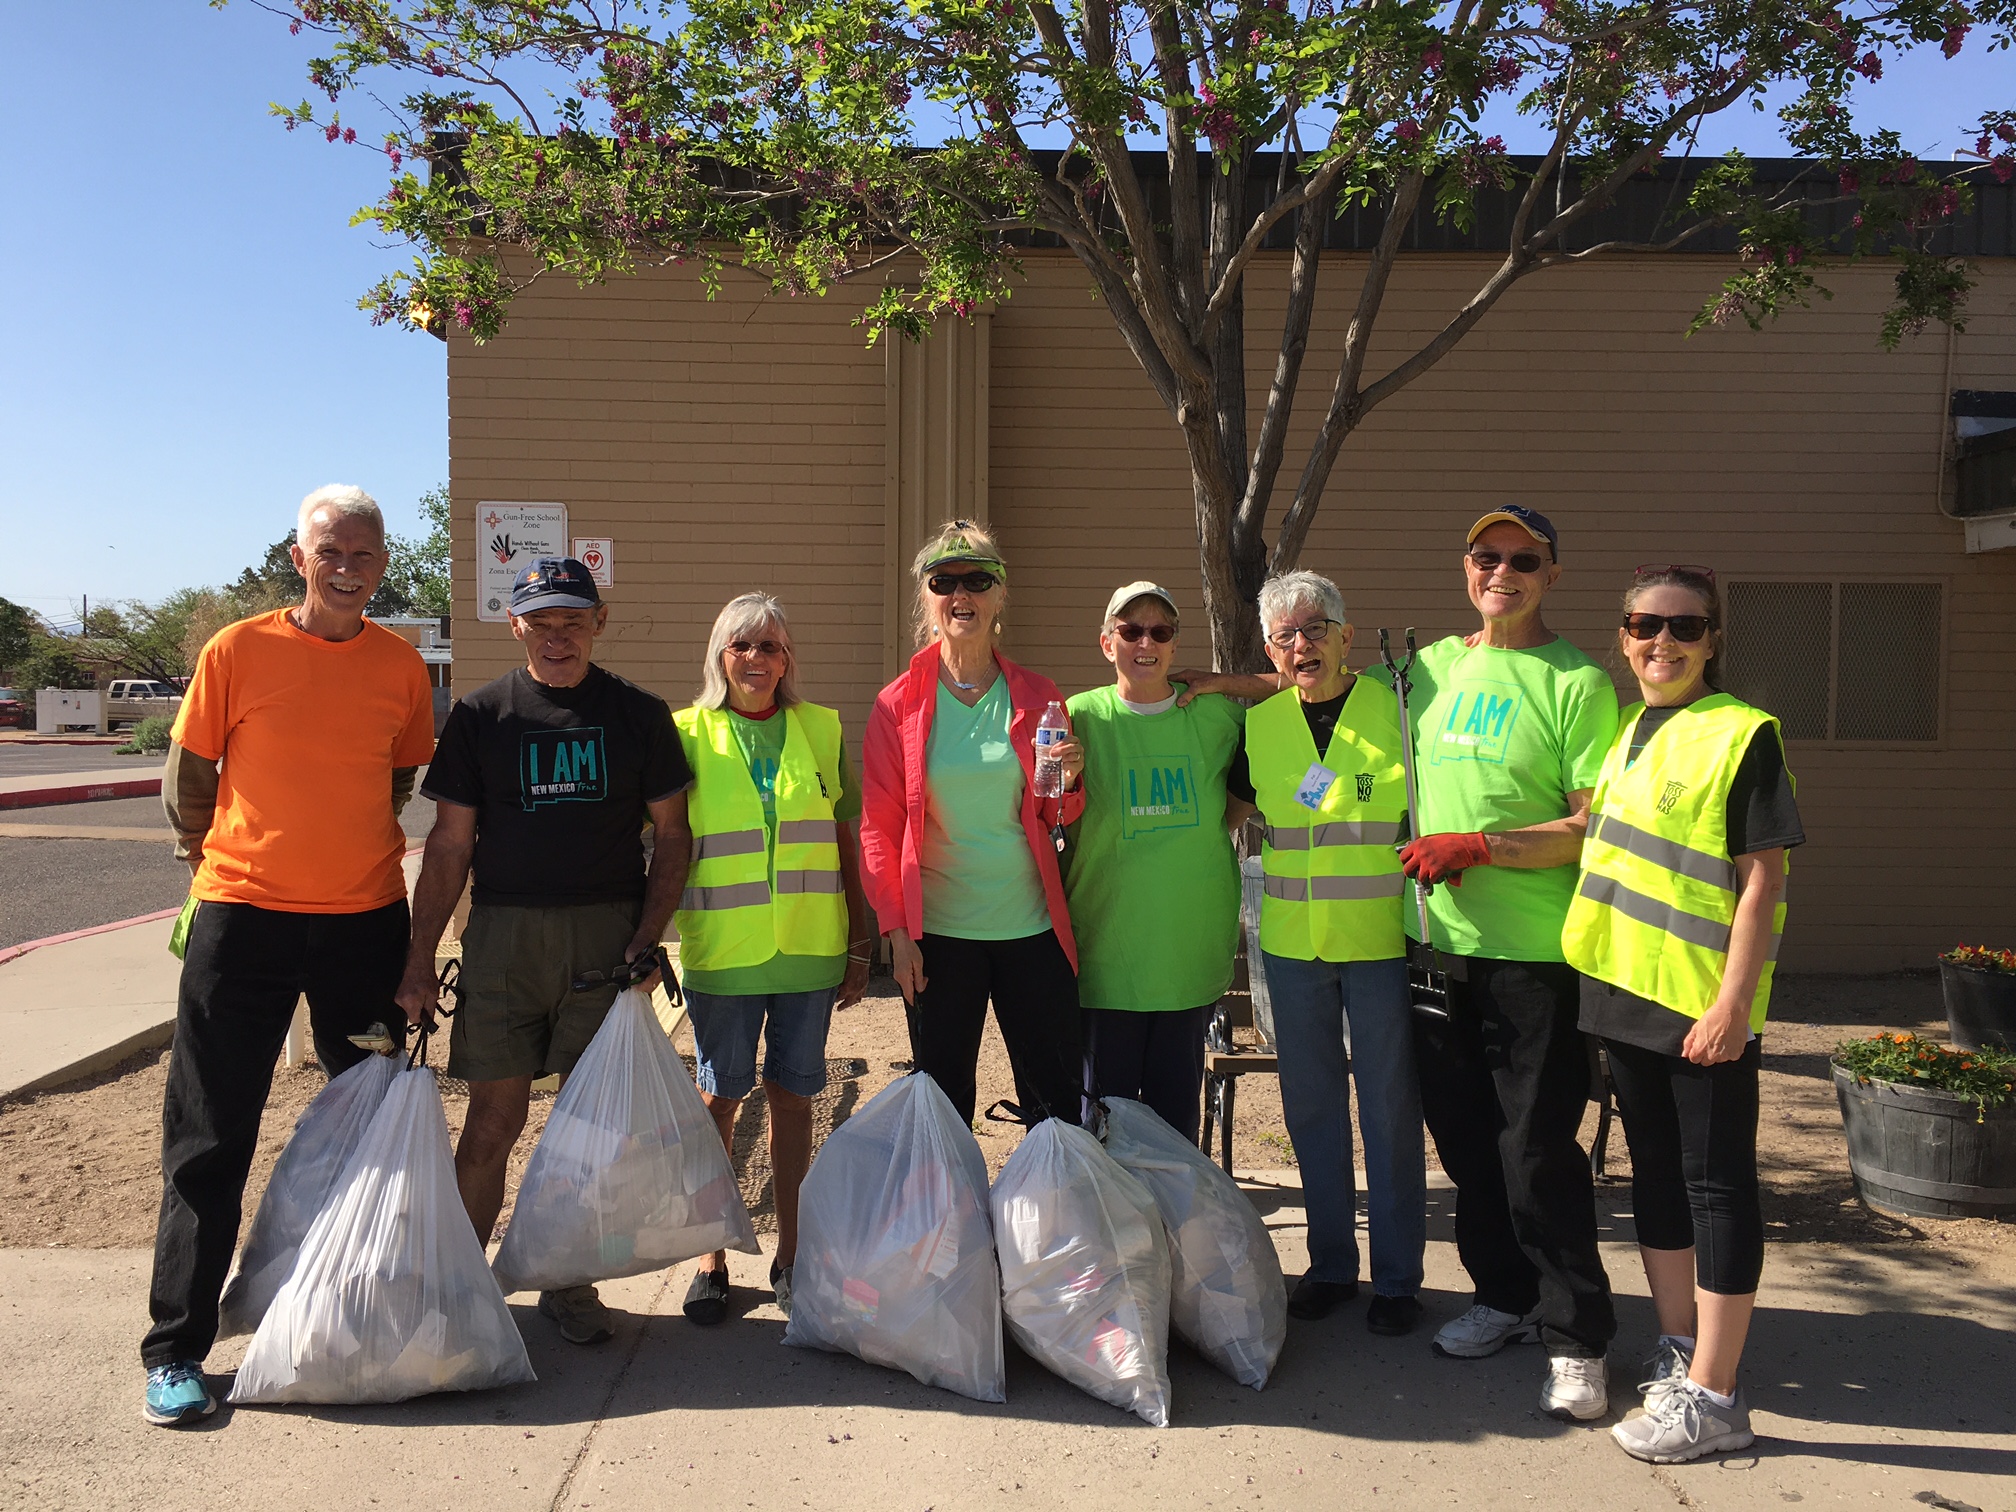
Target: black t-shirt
{"points": [[1322, 719], [1761, 816], [559, 779]]}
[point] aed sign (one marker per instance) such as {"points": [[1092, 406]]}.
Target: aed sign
{"points": [[598, 555], [509, 538]]}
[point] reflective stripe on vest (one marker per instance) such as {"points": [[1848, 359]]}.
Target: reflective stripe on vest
{"points": [[747, 900], [1656, 902], [1332, 883]]}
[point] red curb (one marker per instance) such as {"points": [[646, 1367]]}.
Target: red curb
{"points": [[131, 787], [15, 952]]}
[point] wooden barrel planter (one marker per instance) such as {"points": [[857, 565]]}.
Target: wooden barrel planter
{"points": [[1980, 1006], [1926, 1153]]}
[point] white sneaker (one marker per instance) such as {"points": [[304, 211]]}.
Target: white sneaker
{"points": [[1484, 1331], [1666, 1368], [1576, 1388], [1681, 1424]]}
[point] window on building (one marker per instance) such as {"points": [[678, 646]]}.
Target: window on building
{"points": [[1839, 661]]}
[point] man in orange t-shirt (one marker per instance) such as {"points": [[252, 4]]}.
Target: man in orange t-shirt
{"points": [[294, 751]]}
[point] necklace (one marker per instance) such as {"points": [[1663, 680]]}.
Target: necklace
{"points": [[966, 687]]}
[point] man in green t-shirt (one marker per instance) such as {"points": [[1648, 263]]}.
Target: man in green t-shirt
{"points": [[1150, 873], [1510, 727]]}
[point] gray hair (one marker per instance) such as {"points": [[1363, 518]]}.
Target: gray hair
{"points": [[1299, 589], [337, 500], [746, 617]]}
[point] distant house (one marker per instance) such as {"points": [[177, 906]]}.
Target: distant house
{"points": [[751, 441]]}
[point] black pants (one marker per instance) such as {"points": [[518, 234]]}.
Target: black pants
{"points": [[1693, 1136], [1503, 1085], [1153, 1058], [242, 973], [1035, 995]]}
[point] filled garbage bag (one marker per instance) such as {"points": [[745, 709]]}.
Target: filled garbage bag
{"points": [[1228, 1298], [318, 1152], [1085, 1268], [895, 1250], [629, 1174], [390, 1297]]}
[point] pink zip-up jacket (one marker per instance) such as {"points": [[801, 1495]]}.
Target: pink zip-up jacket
{"points": [[892, 793]]}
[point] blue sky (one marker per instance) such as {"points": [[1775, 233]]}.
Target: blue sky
{"points": [[183, 355]]}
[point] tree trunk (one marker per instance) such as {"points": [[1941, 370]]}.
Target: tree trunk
{"points": [[1229, 565]]}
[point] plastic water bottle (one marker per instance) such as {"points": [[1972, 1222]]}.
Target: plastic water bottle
{"points": [[1052, 729]]}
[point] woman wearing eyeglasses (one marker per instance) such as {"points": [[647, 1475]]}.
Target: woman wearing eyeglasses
{"points": [[957, 848], [1151, 876], [1675, 928], [772, 924], [1324, 756]]}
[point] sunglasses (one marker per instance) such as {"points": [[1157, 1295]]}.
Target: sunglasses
{"points": [[1686, 628], [766, 647], [1660, 569], [1130, 632], [945, 584], [1315, 632], [1519, 561]]}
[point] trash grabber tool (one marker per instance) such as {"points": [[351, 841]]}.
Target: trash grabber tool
{"points": [[1427, 982]]}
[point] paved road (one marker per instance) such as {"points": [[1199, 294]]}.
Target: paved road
{"points": [[54, 886], [35, 761]]}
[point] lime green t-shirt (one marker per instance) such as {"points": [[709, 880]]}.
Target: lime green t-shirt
{"points": [[762, 742], [1500, 739], [980, 881], [1151, 876]]}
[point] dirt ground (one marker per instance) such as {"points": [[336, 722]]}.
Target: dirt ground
{"points": [[82, 1163]]}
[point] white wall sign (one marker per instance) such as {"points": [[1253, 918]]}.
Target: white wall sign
{"points": [[508, 538], [598, 555]]}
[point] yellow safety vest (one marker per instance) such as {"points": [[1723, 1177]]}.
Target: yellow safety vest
{"points": [[1332, 886], [745, 900], [1657, 896]]}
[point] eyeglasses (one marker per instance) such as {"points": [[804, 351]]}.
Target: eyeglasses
{"points": [[765, 647], [1660, 569], [1519, 561], [945, 584], [1686, 628], [1315, 632], [1130, 632]]}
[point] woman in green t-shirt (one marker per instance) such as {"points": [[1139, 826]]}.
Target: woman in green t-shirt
{"points": [[1151, 877]]}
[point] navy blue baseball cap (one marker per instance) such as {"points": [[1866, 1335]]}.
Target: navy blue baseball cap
{"points": [[554, 583], [1531, 521]]}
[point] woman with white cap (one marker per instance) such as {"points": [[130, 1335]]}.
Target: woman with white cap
{"points": [[1150, 873]]}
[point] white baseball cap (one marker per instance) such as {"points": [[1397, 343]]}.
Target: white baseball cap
{"points": [[1122, 597]]}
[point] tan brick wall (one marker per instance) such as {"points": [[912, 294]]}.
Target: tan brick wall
{"points": [[741, 443]]}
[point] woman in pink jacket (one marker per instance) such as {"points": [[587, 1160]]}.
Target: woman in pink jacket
{"points": [[956, 849]]}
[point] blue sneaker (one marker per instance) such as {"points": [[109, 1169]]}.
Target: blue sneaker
{"points": [[176, 1394]]}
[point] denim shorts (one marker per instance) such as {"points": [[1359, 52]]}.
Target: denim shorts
{"points": [[792, 1025]]}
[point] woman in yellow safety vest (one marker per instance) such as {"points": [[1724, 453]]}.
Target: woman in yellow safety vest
{"points": [[771, 923], [1675, 927], [1324, 759]]}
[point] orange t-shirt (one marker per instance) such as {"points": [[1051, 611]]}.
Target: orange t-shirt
{"points": [[309, 732]]}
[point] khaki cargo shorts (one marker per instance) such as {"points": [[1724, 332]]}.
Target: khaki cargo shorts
{"points": [[520, 1015]]}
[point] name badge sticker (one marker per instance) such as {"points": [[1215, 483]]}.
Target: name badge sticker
{"points": [[1316, 785]]}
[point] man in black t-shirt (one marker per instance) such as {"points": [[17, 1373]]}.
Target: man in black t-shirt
{"points": [[542, 782]]}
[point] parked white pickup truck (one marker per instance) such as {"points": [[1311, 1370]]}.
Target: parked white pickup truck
{"points": [[132, 699]]}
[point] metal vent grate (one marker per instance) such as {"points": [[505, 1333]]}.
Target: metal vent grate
{"points": [[1779, 645], [1890, 661]]}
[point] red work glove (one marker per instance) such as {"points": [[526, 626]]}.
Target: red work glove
{"points": [[1443, 858]]}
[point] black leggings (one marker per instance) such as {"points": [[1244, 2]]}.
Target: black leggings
{"points": [[1035, 995], [1693, 1136], [1155, 1058]]}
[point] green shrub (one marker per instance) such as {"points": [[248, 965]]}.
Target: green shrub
{"points": [[1986, 1078], [151, 735]]}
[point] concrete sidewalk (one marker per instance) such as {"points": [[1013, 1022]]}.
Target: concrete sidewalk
{"points": [[1877, 1377], [37, 789]]}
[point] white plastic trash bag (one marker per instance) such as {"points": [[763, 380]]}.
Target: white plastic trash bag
{"points": [[325, 1136], [1085, 1268], [629, 1174], [895, 1251], [1229, 1299], [390, 1298]]}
